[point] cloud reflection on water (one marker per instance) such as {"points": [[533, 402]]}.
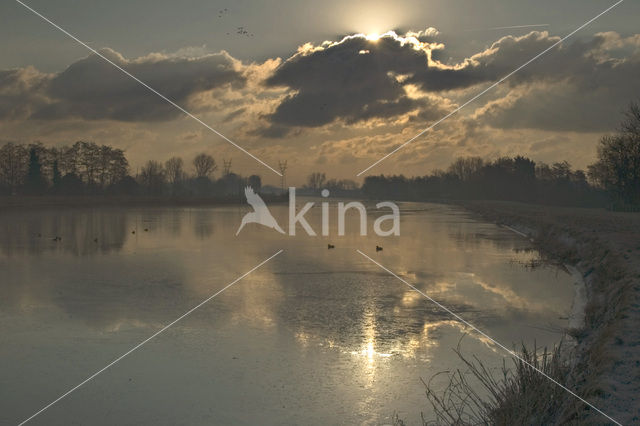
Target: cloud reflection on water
{"points": [[329, 308]]}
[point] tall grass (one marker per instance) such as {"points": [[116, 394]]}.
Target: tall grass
{"points": [[518, 396]]}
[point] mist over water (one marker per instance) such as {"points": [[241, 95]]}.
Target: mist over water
{"points": [[315, 336]]}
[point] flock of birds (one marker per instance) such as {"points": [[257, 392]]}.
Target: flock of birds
{"points": [[242, 31], [239, 30], [95, 240], [58, 238]]}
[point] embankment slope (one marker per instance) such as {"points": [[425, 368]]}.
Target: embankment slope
{"points": [[605, 247]]}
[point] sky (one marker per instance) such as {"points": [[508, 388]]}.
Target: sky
{"points": [[329, 86]]}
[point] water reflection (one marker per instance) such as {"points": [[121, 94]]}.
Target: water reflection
{"points": [[79, 232], [344, 341]]}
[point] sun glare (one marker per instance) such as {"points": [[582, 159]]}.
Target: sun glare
{"points": [[373, 37]]}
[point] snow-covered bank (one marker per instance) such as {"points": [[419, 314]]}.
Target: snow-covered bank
{"points": [[602, 250], [576, 318]]}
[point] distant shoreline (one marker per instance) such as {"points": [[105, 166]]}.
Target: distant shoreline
{"points": [[19, 202]]}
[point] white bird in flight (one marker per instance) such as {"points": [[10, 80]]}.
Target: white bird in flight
{"points": [[260, 213]]}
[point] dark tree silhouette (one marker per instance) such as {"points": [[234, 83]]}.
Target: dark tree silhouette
{"points": [[316, 180], [465, 168], [55, 179], [618, 167], [126, 186], [152, 177], [86, 168], [255, 182], [35, 184], [205, 165], [174, 168], [511, 179], [71, 184], [231, 184], [13, 166]]}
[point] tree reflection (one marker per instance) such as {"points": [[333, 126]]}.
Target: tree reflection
{"points": [[78, 232]]}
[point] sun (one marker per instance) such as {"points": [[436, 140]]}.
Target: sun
{"points": [[373, 37]]}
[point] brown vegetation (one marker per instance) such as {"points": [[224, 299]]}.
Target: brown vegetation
{"points": [[605, 247], [520, 396]]}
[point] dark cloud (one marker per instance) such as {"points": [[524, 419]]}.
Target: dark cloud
{"points": [[234, 114], [577, 86], [274, 131], [585, 90], [557, 107], [353, 80], [506, 55], [93, 89], [21, 92], [358, 79]]}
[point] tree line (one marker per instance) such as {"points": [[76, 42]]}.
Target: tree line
{"points": [[508, 178], [613, 180], [86, 168], [318, 181]]}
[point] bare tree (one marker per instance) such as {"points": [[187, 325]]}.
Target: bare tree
{"points": [[618, 165], [341, 184], [86, 154], [152, 177], [174, 168], [110, 166], [205, 165], [96, 165], [631, 123], [561, 170], [316, 180], [102, 160], [13, 165], [118, 166], [597, 174], [67, 160], [465, 168]]}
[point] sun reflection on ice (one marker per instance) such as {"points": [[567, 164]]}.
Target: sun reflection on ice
{"points": [[370, 353], [368, 350]]}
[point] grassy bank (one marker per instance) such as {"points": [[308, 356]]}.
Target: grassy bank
{"points": [[519, 395], [605, 247]]}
